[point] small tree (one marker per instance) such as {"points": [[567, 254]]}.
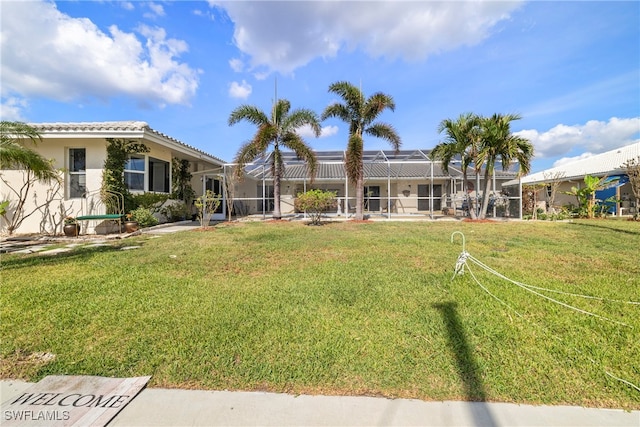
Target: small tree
{"points": [[207, 205], [14, 214], [315, 202], [632, 168], [587, 195], [553, 183], [113, 175], [530, 198], [181, 181]]}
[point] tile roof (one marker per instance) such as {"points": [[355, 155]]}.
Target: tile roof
{"points": [[114, 128]]}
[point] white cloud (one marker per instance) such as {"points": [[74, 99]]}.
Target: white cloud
{"points": [[11, 109], [328, 131], [283, 36], [565, 160], [236, 64], [593, 137], [71, 58], [156, 8], [127, 5], [306, 131], [240, 90]]}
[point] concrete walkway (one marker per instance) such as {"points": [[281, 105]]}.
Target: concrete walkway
{"points": [[163, 407]]}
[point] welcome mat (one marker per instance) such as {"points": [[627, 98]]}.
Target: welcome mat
{"points": [[60, 400]]}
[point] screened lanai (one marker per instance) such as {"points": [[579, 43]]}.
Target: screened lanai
{"points": [[396, 184]]}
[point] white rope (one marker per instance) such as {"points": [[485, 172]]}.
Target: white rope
{"points": [[526, 288], [459, 270], [580, 295], [622, 380], [460, 263], [489, 292]]}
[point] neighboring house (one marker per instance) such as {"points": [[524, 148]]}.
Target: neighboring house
{"points": [[608, 164], [79, 151], [404, 183]]}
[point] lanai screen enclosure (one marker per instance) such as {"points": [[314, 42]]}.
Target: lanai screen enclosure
{"points": [[397, 184]]}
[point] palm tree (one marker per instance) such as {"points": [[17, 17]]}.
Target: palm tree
{"points": [[499, 142], [279, 130], [462, 138], [14, 153], [359, 113]]}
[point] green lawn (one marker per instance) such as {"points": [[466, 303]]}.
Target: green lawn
{"points": [[346, 308]]}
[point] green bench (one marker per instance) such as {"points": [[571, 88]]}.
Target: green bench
{"points": [[102, 205]]}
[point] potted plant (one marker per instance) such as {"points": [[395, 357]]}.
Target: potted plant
{"points": [[71, 227], [130, 224]]}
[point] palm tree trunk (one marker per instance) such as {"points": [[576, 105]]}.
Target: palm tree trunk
{"points": [[360, 198], [465, 191], [467, 195], [485, 194], [276, 191]]}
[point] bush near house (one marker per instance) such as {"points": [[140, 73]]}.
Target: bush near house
{"points": [[314, 203]]}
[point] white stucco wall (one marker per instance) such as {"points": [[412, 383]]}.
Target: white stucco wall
{"points": [[50, 209]]}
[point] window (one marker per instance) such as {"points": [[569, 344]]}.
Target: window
{"points": [[143, 173], [215, 185], [424, 196], [265, 203], [77, 172], [134, 169], [158, 175]]}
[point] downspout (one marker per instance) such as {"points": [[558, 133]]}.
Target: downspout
{"points": [[225, 194], [264, 194], [431, 191], [494, 192], [346, 190], [388, 190], [520, 196], [304, 190]]}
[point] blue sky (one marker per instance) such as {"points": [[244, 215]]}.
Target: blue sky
{"points": [[571, 69]]}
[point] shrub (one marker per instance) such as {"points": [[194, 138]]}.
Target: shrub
{"points": [[144, 217], [315, 202], [207, 204], [175, 210], [151, 201]]}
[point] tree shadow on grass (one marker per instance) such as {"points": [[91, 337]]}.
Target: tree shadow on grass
{"points": [[598, 223], [466, 363]]}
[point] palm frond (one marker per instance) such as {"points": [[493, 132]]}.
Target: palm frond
{"points": [[18, 131], [301, 117], [248, 113], [280, 110], [295, 143], [387, 132], [337, 110], [14, 154], [376, 104]]}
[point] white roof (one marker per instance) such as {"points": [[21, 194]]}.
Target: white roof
{"points": [[122, 129], [608, 163]]}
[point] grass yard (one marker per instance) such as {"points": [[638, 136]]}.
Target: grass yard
{"points": [[346, 308]]}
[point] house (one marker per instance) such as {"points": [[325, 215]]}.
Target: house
{"points": [[400, 183], [78, 150], [403, 183], [566, 176]]}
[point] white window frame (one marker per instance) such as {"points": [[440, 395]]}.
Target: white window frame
{"points": [[142, 172], [79, 173]]}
